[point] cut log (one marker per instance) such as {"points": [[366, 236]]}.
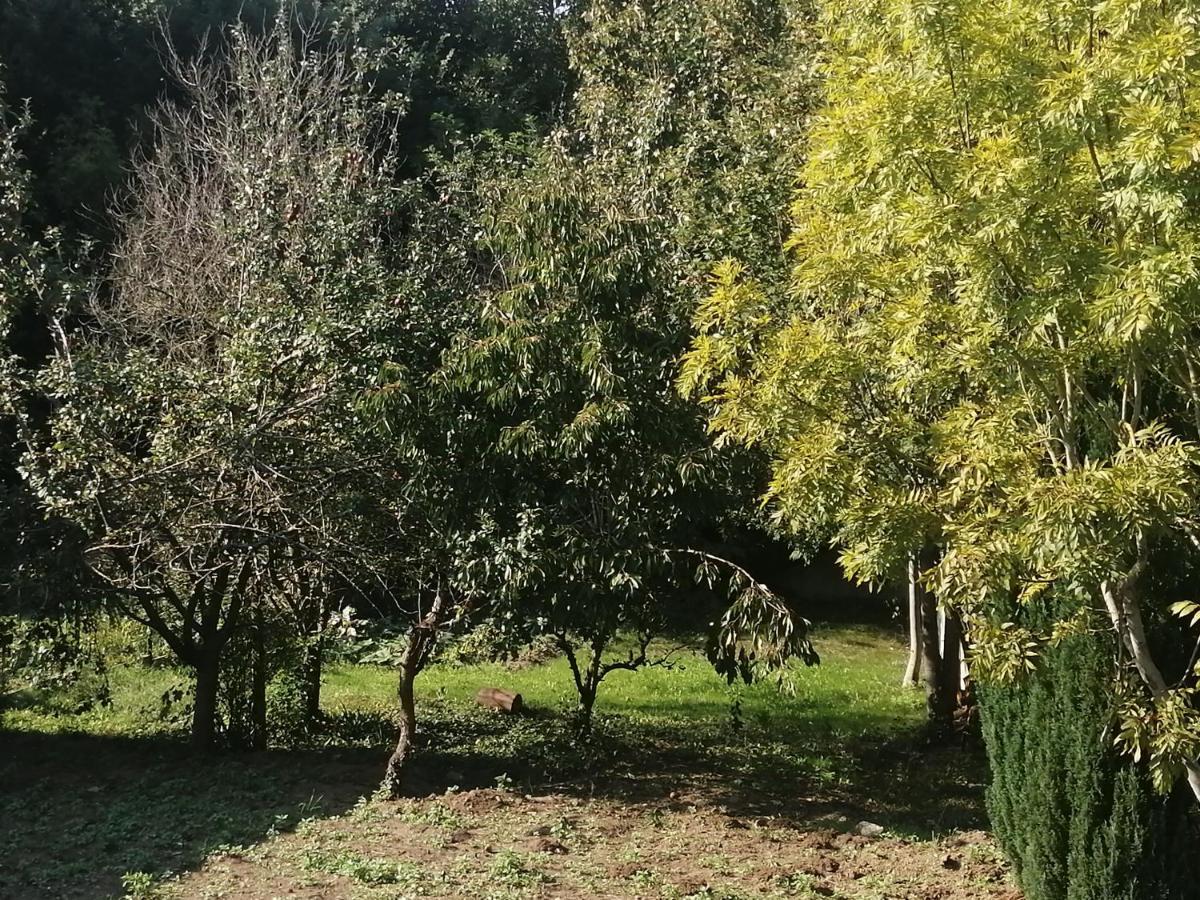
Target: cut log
{"points": [[494, 698]]}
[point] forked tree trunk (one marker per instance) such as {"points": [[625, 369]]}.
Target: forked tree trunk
{"points": [[587, 680]]}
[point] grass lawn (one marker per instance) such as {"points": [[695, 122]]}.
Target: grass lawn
{"points": [[673, 796]]}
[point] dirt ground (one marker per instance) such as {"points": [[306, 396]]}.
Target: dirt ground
{"points": [[502, 843]]}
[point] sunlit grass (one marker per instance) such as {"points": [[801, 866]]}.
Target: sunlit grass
{"points": [[854, 691], [841, 732]]}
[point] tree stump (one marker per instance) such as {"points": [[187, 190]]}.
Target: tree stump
{"points": [[495, 698]]}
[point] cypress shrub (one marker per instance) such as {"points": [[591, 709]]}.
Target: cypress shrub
{"points": [[1077, 821]]}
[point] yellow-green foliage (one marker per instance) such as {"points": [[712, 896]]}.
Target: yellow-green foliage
{"points": [[990, 345]]}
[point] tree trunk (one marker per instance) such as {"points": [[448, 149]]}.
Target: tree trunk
{"points": [[936, 702], [951, 656], [1126, 615], [204, 705], [912, 669], [420, 642], [587, 701], [313, 660], [258, 685], [393, 778]]}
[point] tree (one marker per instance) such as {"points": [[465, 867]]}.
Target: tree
{"points": [[668, 159], [14, 245], [988, 346], [37, 563], [440, 482], [206, 434], [16, 265]]}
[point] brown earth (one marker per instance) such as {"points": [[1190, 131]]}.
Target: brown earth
{"points": [[500, 844]]}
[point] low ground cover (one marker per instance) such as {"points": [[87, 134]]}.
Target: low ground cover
{"points": [[688, 788]]}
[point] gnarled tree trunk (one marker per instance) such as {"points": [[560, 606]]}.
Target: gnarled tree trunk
{"points": [[421, 638]]}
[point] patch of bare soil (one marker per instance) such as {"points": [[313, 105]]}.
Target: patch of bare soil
{"points": [[504, 844]]}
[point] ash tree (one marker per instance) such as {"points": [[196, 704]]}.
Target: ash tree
{"points": [[988, 342], [206, 435], [669, 158]]}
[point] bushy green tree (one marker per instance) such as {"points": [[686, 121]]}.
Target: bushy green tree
{"points": [[14, 262], [1076, 820], [14, 250], [678, 149]]}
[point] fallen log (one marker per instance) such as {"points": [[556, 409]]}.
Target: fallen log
{"points": [[495, 698]]}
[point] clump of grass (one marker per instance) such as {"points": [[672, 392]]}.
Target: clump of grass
{"points": [[408, 876], [435, 814], [516, 870]]}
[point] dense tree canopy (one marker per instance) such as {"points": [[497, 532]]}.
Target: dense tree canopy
{"points": [[600, 246], [420, 316], [989, 342], [205, 434]]}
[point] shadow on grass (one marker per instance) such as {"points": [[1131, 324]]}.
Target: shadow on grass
{"points": [[77, 812], [904, 783]]}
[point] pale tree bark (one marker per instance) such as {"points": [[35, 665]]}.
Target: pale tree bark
{"points": [[912, 669], [952, 655], [1126, 615], [937, 703], [934, 655]]}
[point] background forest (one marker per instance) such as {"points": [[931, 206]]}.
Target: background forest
{"points": [[363, 358]]}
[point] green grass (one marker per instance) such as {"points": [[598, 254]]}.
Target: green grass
{"points": [[854, 691], [89, 795], [136, 706]]}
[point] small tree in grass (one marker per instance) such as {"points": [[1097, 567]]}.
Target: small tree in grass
{"points": [[206, 434], [668, 158]]}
